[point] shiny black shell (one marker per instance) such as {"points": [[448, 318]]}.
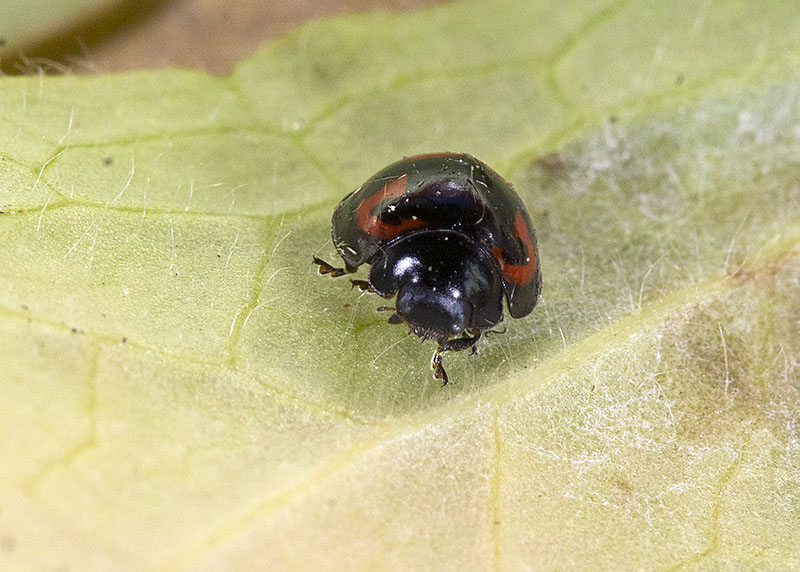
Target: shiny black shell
{"points": [[443, 192], [445, 283]]}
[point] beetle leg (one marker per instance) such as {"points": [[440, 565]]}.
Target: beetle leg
{"points": [[325, 268], [498, 332], [463, 343], [363, 285], [468, 341], [438, 368], [394, 318]]}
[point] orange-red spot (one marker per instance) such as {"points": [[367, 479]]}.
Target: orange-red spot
{"points": [[371, 224], [518, 273]]}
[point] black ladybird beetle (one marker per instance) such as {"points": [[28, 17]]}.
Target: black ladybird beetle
{"points": [[448, 236]]}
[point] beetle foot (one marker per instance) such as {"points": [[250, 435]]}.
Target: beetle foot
{"points": [[363, 285], [438, 368], [325, 268]]}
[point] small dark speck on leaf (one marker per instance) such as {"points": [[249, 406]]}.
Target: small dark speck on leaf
{"points": [[24, 307], [108, 161], [124, 340], [7, 543], [679, 79], [552, 163], [2, 42], [346, 305], [613, 119], [623, 485]]}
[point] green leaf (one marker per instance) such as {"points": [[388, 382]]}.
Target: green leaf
{"points": [[182, 391]]}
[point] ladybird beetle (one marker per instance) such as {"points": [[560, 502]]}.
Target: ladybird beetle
{"points": [[449, 237]]}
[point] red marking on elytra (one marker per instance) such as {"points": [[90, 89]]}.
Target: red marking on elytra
{"points": [[518, 273], [372, 225]]}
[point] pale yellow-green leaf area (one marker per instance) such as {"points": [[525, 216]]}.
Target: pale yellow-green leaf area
{"points": [[181, 391]]}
